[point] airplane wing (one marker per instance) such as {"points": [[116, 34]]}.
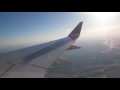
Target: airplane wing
{"points": [[32, 62]]}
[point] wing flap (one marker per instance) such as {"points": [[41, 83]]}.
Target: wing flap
{"points": [[72, 47], [4, 68], [24, 71]]}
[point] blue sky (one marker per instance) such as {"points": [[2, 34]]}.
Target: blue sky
{"points": [[19, 29], [25, 24]]}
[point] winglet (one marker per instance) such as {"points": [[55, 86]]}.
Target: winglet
{"points": [[76, 31]]}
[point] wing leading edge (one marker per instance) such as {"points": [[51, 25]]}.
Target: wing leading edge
{"points": [[37, 59]]}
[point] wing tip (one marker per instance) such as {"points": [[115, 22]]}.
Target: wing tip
{"points": [[76, 31]]}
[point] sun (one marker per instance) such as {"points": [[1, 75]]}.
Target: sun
{"points": [[103, 15], [103, 18]]}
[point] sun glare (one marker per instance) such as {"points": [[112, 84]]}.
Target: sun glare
{"points": [[101, 20], [103, 15]]}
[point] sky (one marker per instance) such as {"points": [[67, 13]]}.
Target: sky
{"points": [[23, 29]]}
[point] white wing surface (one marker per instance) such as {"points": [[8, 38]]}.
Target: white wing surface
{"points": [[32, 62]]}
